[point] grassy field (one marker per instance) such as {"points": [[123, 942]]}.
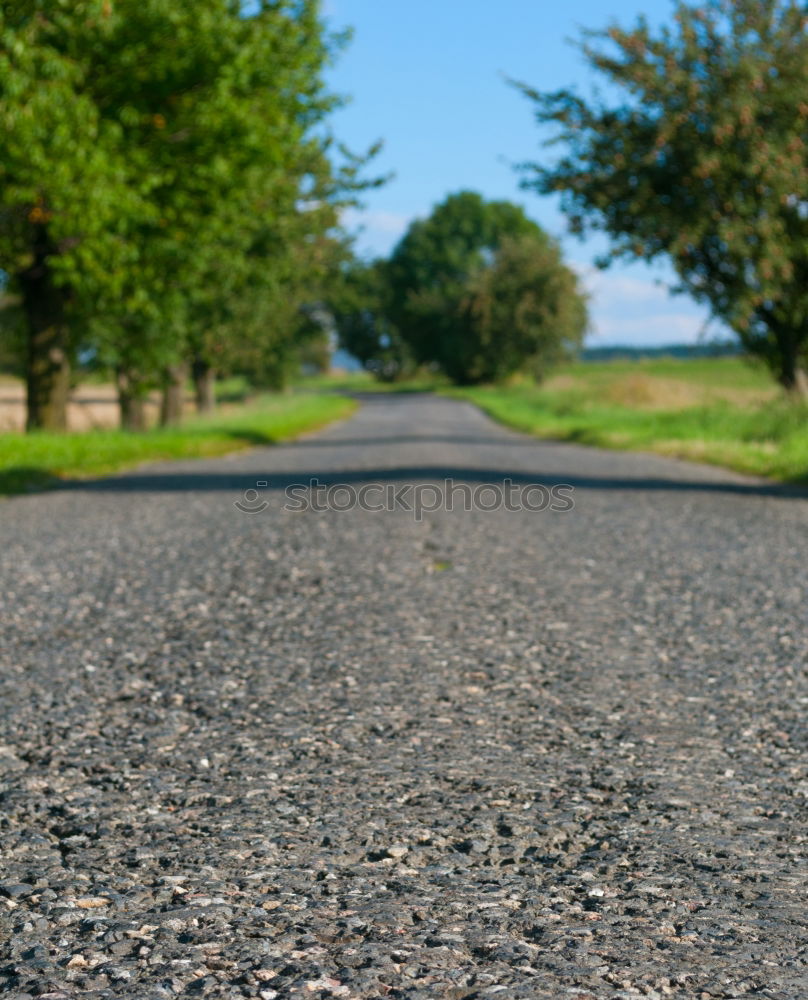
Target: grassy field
{"points": [[723, 411], [34, 461]]}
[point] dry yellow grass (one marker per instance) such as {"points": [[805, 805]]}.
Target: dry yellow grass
{"points": [[91, 407], [649, 392], [641, 391]]}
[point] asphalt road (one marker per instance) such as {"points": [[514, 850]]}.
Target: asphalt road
{"points": [[350, 753]]}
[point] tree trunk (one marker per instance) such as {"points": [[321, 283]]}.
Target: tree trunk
{"points": [[131, 401], [173, 396], [792, 373], [793, 377], [48, 360], [204, 386], [799, 385]]}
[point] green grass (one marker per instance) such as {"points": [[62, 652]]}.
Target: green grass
{"points": [[34, 461], [234, 389], [731, 373], [721, 411]]}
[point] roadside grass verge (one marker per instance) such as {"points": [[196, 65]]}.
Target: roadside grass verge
{"points": [[705, 416], [35, 461]]}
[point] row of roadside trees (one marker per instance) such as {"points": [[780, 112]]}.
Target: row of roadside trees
{"points": [[170, 199], [169, 192]]}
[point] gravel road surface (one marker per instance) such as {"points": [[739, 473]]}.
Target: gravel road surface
{"points": [[510, 754]]}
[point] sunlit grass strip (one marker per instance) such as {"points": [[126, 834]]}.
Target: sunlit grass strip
{"points": [[34, 461], [767, 441]]}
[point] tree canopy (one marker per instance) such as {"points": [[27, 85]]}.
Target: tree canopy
{"points": [[523, 313], [480, 291], [169, 191], [703, 159]]}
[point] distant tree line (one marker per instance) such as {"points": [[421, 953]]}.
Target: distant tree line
{"points": [[679, 352], [169, 193]]}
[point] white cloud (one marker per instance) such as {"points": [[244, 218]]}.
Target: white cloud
{"points": [[631, 310], [650, 330], [622, 289], [378, 231], [610, 288]]}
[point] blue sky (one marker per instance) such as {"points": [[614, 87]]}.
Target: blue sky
{"points": [[428, 79]]}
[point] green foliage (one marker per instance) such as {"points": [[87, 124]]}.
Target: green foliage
{"points": [[523, 313], [63, 168], [702, 159], [360, 305], [478, 290], [167, 169]]}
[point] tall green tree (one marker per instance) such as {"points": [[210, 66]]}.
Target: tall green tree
{"points": [[274, 285], [233, 126], [155, 150], [64, 192], [703, 159], [451, 276]]}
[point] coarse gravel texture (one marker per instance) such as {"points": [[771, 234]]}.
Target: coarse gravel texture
{"points": [[351, 754]]}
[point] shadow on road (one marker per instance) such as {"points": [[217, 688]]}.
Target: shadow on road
{"points": [[147, 481], [372, 442]]}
